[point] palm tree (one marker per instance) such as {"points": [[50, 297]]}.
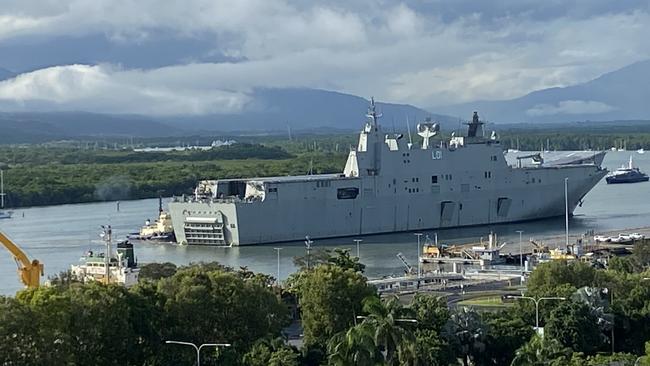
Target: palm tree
{"points": [[393, 328], [468, 329], [541, 351], [356, 346]]}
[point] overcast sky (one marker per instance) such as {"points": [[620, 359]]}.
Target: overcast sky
{"points": [[205, 56]]}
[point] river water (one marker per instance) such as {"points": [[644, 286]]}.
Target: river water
{"points": [[59, 235]]}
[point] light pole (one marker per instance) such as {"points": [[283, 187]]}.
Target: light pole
{"points": [[418, 256], [198, 348], [308, 243], [611, 304], [277, 281], [521, 257], [536, 301], [566, 209], [357, 241]]}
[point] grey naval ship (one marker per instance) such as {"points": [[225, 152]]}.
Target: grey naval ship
{"points": [[389, 185]]}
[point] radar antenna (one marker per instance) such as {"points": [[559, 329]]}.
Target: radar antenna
{"points": [[427, 129], [372, 112]]}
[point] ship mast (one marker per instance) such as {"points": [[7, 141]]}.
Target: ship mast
{"points": [[107, 234], [370, 141], [475, 127], [372, 113], [2, 190]]}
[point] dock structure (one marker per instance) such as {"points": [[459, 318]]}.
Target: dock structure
{"points": [[413, 281], [481, 254]]}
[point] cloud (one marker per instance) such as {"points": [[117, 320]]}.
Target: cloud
{"points": [[426, 53], [106, 89], [570, 107]]}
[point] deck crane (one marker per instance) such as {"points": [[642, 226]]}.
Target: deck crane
{"points": [[30, 272]]}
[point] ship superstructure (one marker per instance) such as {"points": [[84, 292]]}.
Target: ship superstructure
{"points": [[387, 185]]}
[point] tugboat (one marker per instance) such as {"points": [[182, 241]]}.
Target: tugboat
{"points": [[161, 230], [120, 268], [626, 174]]}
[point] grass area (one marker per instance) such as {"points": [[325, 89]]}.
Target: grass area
{"points": [[489, 301]]}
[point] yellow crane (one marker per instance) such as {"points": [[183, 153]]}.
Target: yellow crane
{"points": [[30, 272]]}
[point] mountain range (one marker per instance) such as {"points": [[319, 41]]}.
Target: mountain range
{"points": [[275, 109], [271, 110], [619, 95]]}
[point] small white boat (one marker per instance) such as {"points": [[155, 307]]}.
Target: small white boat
{"points": [[641, 151]]}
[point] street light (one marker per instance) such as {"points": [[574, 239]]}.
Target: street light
{"points": [[566, 210], [198, 348], [277, 281], [536, 301], [418, 256], [521, 257], [358, 253], [308, 243]]}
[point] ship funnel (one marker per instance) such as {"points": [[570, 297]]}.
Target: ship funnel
{"points": [[427, 130]]}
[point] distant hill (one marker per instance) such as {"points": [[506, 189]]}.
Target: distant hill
{"points": [[307, 109], [43, 126], [270, 110], [623, 94]]}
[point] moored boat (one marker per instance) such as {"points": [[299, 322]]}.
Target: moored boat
{"points": [[121, 267], [160, 230], [626, 174]]}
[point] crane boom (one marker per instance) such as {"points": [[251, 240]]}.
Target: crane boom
{"points": [[401, 257], [30, 272]]}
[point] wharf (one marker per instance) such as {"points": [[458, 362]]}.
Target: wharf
{"points": [[558, 241]]}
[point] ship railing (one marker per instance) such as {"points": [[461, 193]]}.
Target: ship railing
{"points": [[191, 199]]}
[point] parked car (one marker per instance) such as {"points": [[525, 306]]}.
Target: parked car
{"points": [[621, 239], [601, 238], [637, 236]]}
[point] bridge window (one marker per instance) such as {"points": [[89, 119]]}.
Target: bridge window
{"points": [[347, 193]]}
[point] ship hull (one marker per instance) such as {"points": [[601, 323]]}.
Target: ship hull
{"points": [[529, 194], [622, 180], [389, 185]]}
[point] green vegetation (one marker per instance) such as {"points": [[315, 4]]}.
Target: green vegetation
{"points": [[345, 322], [96, 324], [46, 176]]}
